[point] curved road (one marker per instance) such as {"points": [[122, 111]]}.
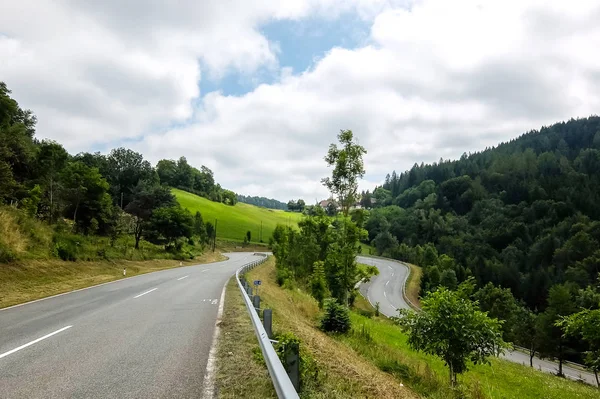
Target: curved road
{"points": [[147, 336], [387, 287]]}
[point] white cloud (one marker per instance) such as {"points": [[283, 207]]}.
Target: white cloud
{"points": [[436, 79]]}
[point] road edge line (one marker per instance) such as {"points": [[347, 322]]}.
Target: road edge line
{"points": [[208, 389], [98, 285]]}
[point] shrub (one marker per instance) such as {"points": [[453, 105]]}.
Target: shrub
{"points": [[336, 318], [6, 255], [66, 246]]}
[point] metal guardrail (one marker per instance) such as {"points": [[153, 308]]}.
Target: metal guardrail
{"points": [[281, 381]]}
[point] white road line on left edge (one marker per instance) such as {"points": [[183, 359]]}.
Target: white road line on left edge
{"points": [[181, 278], [35, 341], [144, 293]]}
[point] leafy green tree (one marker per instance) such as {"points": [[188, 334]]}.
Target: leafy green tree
{"points": [[30, 204], [585, 325], [125, 169], [500, 304], [448, 279], [348, 168], [552, 342], [318, 283], [524, 331], [451, 327], [167, 171], [249, 235], [210, 231], [51, 160], [385, 242], [146, 198], [199, 227], [85, 194], [168, 224]]}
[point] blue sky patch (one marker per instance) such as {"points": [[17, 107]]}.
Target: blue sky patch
{"points": [[301, 44]]}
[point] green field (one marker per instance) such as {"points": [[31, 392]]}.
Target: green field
{"points": [[235, 221]]}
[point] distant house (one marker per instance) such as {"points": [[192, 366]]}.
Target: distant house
{"points": [[324, 204]]}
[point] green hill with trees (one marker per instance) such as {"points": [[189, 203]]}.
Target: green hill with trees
{"points": [[92, 206], [233, 222], [522, 219]]}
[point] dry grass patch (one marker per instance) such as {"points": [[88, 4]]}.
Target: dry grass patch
{"points": [[29, 280], [241, 372], [342, 372], [413, 284]]}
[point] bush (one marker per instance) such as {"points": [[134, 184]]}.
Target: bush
{"points": [[66, 247], [282, 275], [336, 318], [6, 255]]}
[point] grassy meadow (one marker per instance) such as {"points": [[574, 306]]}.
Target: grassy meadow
{"points": [[235, 221]]}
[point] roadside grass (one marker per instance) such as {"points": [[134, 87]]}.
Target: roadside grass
{"points": [[413, 283], [241, 370], [376, 352], [25, 281], [341, 371], [235, 221]]}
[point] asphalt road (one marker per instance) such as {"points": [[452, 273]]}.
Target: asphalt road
{"points": [[147, 336], [387, 287]]}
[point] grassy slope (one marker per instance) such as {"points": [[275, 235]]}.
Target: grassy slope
{"points": [[235, 221], [376, 344], [241, 372], [343, 373], [25, 281]]}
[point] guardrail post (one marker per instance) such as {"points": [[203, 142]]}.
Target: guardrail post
{"points": [[256, 301], [292, 363], [268, 322]]}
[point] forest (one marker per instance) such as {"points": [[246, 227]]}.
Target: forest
{"points": [[92, 194], [263, 202], [521, 220]]}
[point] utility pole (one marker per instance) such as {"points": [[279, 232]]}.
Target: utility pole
{"points": [[260, 235], [215, 235]]}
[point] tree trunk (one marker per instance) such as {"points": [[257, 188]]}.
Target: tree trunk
{"points": [[75, 216], [560, 363], [531, 355]]}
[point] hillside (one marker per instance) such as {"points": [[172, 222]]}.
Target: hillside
{"points": [[235, 221], [523, 216]]}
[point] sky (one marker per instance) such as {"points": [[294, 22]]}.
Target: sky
{"points": [[256, 90]]}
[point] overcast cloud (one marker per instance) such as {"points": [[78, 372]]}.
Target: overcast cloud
{"points": [[434, 78]]}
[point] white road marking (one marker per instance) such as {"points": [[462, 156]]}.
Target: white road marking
{"points": [[387, 283], [392, 274], [144, 293], [205, 270], [181, 278], [35, 341], [385, 294], [209, 377], [391, 268], [214, 301]]}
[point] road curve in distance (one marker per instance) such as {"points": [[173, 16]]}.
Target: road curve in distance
{"points": [[387, 287]]}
